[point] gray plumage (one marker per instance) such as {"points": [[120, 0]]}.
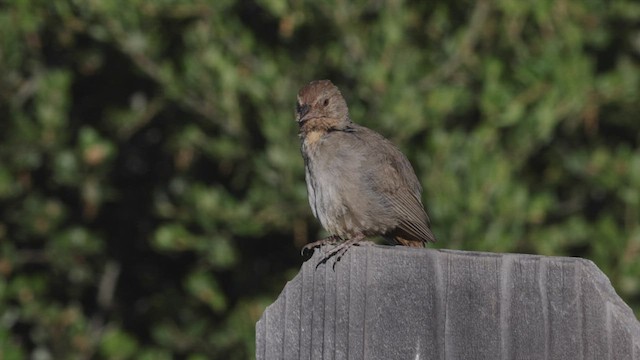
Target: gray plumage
{"points": [[359, 183]]}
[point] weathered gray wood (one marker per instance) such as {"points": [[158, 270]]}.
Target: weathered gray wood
{"points": [[564, 308], [400, 303]]}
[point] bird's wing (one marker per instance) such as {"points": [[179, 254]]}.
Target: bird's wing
{"points": [[394, 178]]}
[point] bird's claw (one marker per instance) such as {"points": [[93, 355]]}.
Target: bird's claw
{"points": [[341, 248], [310, 248]]}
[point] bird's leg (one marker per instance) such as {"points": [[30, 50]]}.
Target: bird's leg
{"points": [[342, 248], [331, 240], [339, 250]]}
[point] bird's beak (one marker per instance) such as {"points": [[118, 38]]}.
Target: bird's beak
{"points": [[303, 111]]}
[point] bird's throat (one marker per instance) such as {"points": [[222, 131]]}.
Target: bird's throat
{"points": [[311, 138]]}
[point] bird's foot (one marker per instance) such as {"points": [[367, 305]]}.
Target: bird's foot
{"points": [[311, 247], [339, 250]]}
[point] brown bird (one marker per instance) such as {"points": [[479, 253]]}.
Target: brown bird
{"points": [[359, 183]]}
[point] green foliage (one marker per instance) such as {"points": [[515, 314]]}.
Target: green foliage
{"points": [[152, 200]]}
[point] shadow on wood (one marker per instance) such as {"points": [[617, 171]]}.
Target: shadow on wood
{"points": [[401, 303]]}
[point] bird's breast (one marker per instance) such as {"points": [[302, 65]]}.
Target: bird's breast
{"points": [[332, 182]]}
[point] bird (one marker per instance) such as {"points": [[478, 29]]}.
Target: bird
{"points": [[359, 184]]}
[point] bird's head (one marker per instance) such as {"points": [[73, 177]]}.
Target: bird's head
{"points": [[321, 105]]}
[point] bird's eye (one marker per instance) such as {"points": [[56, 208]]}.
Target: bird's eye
{"points": [[298, 107], [326, 102]]}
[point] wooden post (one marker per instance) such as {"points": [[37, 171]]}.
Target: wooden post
{"points": [[388, 303]]}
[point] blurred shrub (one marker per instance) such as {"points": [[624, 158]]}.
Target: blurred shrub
{"points": [[152, 200]]}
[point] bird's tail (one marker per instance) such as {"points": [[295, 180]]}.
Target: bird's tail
{"points": [[407, 242]]}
